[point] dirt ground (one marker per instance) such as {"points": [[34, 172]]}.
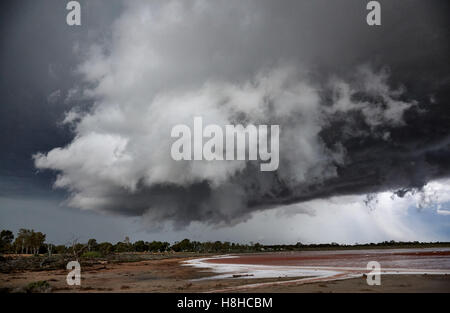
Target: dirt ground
{"points": [[168, 275], [389, 284]]}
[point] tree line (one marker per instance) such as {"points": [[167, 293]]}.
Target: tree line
{"points": [[27, 241], [30, 242]]}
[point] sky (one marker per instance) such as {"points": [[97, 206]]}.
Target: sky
{"points": [[86, 114]]}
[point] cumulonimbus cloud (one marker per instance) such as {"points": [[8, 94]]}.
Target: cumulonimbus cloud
{"points": [[166, 64]]}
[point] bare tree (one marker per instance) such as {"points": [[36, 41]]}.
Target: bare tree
{"points": [[49, 249], [77, 248]]}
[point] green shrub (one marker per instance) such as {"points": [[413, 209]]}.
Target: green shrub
{"points": [[39, 286], [91, 255]]}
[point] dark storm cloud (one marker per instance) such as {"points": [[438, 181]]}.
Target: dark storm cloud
{"points": [[370, 110], [37, 60]]}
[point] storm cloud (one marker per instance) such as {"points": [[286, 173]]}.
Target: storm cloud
{"points": [[361, 109]]}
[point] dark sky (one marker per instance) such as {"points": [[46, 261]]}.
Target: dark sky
{"points": [[40, 57]]}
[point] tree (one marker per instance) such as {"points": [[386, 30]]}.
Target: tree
{"points": [[164, 246], [6, 238], [217, 246], [183, 245], [29, 241], [105, 248], [50, 248], [77, 248], [37, 240], [92, 244], [22, 241], [60, 249], [121, 247], [140, 246]]}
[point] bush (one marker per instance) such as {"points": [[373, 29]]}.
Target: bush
{"points": [[105, 248], [91, 255], [39, 286]]}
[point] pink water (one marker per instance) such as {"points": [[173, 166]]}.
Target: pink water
{"points": [[430, 258]]}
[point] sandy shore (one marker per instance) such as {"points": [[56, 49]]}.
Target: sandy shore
{"points": [[167, 275], [389, 283], [170, 275]]}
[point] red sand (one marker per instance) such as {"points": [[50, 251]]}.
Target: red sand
{"points": [[410, 258]]}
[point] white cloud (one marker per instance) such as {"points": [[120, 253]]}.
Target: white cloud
{"points": [[342, 219], [166, 64]]}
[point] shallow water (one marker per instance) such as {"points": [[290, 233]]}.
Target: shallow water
{"points": [[327, 265], [388, 258]]}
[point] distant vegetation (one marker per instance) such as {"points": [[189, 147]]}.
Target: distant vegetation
{"points": [[31, 242]]}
